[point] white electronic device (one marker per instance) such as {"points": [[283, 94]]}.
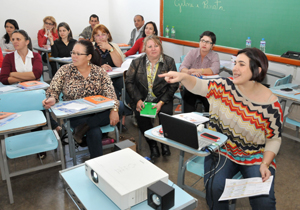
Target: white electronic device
{"points": [[124, 176]]}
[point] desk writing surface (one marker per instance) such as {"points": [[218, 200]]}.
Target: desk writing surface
{"points": [[93, 198], [43, 86], [149, 134], [42, 49], [288, 96], [25, 121], [93, 109]]}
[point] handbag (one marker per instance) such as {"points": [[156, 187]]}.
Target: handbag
{"points": [[294, 112]]}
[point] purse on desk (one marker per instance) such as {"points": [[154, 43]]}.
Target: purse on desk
{"points": [[294, 112], [291, 55]]}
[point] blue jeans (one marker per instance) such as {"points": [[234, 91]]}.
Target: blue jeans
{"points": [[94, 134], [215, 185]]}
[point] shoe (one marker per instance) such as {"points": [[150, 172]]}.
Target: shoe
{"points": [[134, 122], [79, 132], [124, 128], [154, 152], [41, 155], [165, 150]]}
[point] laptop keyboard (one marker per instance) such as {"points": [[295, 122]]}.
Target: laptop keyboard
{"points": [[203, 142]]}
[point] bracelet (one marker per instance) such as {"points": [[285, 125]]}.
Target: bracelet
{"points": [[161, 102], [202, 70], [263, 162]]}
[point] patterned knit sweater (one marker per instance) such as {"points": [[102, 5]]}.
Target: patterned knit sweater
{"points": [[251, 127]]}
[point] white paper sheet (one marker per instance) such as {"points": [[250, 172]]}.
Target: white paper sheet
{"points": [[136, 55], [192, 117], [241, 188], [76, 106], [7, 88]]}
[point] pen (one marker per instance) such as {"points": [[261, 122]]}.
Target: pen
{"points": [[297, 93]]}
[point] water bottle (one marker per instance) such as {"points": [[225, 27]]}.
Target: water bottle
{"points": [[248, 43], [173, 32], [106, 141], [167, 32], [262, 45]]}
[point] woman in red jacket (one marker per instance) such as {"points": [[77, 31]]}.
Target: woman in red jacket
{"points": [[22, 64], [149, 29], [49, 27]]}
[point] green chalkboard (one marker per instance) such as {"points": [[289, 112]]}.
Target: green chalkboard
{"points": [[234, 20]]}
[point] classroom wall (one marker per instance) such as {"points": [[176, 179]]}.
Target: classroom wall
{"points": [[117, 15], [76, 13], [122, 13]]}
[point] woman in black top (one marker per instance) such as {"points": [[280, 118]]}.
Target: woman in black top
{"points": [[63, 45], [107, 55]]}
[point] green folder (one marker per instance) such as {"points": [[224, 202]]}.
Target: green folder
{"points": [[147, 111]]}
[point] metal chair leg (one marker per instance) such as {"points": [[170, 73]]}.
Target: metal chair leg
{"points": [[6, 171]]}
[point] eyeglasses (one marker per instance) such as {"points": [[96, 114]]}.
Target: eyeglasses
{"points": [[206, 42], [78, 54], [50, 24], [98, 36]]}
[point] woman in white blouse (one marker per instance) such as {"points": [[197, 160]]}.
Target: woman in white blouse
{"points": [[10, 26], [23, 64]]}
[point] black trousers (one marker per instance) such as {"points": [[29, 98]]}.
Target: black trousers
{"points": [[190, 99], [145, 123]]}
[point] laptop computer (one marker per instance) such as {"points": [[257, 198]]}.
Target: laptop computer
{"points": [[183, 132]]}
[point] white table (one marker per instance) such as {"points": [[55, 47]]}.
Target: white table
{"points": [[184, 148], [65, 116], [91, 197]]}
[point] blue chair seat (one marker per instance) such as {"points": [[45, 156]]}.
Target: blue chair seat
{"points": [[36, 142], [293, 122], [178, 95], [107, 129]]}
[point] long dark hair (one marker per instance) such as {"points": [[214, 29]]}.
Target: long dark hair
{"points": [[15, 24], [66, 26], [24, 33], [154, 26]]}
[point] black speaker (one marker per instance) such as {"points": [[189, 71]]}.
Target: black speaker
{"points": [[160, 196]]}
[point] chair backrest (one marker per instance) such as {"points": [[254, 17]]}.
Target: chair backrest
{"points": [[22, 101], [177, 66], [182, 58], [284, 80], [125, 96]]}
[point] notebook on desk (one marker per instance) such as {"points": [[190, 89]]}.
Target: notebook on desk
{"points": [[183, 132]]}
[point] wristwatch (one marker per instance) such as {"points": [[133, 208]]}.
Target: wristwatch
{"points": [[114, 109], [111, 49]]}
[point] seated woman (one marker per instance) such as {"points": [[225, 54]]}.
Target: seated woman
{"points": [[49, 27], [78, 80], [63, 45], [149, 29], [108, 55], [10, 26], [202, 60], [250, 115], [143, 84], [23, 64]]}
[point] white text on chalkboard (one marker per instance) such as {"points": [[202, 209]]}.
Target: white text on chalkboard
{"points": [[207, 4]]}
